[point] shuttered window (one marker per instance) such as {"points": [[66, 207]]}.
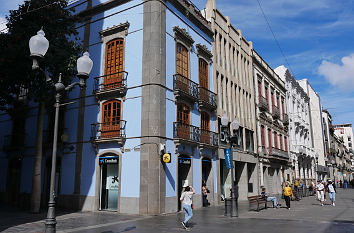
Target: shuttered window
{"points": [[111, 118], [114, 64], [182, 60]]}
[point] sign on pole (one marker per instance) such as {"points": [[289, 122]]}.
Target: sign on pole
{"points": [[228, 161]]}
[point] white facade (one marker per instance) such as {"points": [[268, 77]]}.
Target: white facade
{"points": [[345, 131], [301, 149]]}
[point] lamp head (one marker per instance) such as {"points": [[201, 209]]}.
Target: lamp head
{"points": [[224, 120], [84, 65], [235, 125], [38, 44]]}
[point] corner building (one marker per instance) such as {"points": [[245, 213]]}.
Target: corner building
{"points": [[272, 127], [150, 91], [233, 82]]}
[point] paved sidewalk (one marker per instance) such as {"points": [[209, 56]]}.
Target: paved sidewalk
{"points": [[305, 216]]}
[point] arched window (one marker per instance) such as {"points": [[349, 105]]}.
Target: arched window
{"points": [[111, 119], [182, 61], [114, 64]]}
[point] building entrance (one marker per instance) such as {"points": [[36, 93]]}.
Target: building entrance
{"points": [[109, 182], [184, 173]]}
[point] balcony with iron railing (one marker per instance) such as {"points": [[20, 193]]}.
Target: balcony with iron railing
{"points": [[275, 112], [276, 153], [207, 99], [109, 132], [112, 85], [14, 142], [263, 104], [185, 88], [209, 138], [186, 133]]}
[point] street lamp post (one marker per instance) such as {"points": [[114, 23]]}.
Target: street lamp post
{"points": [[38, 47], [234, 126]]}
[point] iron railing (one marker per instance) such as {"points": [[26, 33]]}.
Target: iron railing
{"points": [[108, 130], [186, 132], [280, 153], [263, 104], [209, 137], [207, 96], [111, 81], [185, 85]]}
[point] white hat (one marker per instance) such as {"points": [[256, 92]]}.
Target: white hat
{"points": [[185, 183]]}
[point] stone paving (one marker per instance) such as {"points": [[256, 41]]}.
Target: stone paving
{"points": [[305, 216]]}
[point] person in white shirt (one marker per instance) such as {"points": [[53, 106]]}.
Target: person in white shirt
{"points": [[320, 189], [331, 188], [186, 199]]}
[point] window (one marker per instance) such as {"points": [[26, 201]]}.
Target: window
{"points": [[249, 140], [281, 142], [283, 108], [203, 80], [270, 140], [114, 64], [286, 143], [183, 127], [275, 140], [263, 136], [260, 91], [111, 119], [272, 98], [182, 60], [266, 95]]}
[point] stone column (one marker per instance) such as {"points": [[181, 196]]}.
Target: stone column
{"points": [[153, 116]]}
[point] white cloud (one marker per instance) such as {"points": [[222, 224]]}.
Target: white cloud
{"points": [[339, 75], [3, 28]]}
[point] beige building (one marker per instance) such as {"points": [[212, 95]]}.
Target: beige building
{"points": [[272, 126], [233, 82]]}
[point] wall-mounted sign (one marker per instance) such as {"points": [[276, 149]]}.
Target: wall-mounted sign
{"points": [[228, 161], [108, 160], [166, 158], [186, 161]]}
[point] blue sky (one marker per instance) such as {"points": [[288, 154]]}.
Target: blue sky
{"points": [[316, 37]]}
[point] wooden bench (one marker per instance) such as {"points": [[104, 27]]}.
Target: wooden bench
{"points": [[258, 199]]}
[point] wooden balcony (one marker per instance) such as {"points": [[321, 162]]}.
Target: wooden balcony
{"points": [[209, 138], [208, 99], [109, 132], [185, 88], [112, 85]]}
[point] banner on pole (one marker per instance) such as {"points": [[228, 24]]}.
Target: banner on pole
{"points": [[228, 161]]}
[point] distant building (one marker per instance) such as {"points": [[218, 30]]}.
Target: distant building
{"points": [[301, 149], [272, 127]]}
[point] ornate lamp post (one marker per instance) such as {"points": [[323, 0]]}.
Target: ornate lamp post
{"points": [[38, 47], [234, 126]]}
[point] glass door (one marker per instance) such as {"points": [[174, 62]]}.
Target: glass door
{"points": [[109, 183]]}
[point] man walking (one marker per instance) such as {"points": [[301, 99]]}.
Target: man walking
{"points": [[331, 188], [320, 192]]}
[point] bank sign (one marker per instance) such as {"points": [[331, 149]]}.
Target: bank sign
{"points": [[228, 162], [108, 160]]}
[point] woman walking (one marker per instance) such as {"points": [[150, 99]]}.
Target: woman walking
{"points": [[186, 199], [287, 194], [331, 189]]}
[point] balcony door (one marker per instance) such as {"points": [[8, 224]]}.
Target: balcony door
{"points": [[203, 80], [182, 68], [114, 64], [183, 118], [111, 119], [205, 128]]}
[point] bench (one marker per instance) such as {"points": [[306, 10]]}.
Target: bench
{"points": [[258, 199]]}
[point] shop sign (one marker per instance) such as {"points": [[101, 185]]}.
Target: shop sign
{"points": [[112, 182], [166, 158], [228, 161], [185, 161], [108, 160]]}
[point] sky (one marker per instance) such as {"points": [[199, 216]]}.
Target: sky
{"points": [[316, 37]]}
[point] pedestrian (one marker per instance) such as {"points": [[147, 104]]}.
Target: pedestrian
{"points": [[186, 199], [205, 192], [331, 189], [320, 192], [345, 184], [287, 194], [267, 198]]}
